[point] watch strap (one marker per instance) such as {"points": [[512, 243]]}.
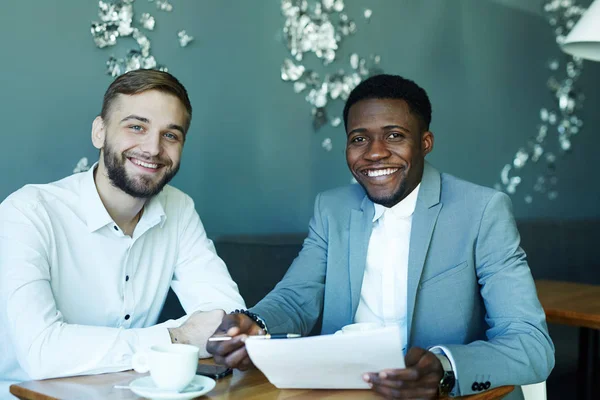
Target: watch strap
{"points": [[448, 380], [254, 317]]}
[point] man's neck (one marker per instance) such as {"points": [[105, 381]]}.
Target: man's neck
{"points": [[124, 209]]}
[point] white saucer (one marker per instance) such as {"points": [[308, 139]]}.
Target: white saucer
{"points": [[145, 387]]}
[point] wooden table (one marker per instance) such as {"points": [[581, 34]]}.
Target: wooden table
{"points": [[250, 385], [577, 305]]}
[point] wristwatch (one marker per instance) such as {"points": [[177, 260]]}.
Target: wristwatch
{"points": [[254, 317], [448, 380]]}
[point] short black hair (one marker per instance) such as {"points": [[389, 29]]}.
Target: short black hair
{"points": [[392, 87]]}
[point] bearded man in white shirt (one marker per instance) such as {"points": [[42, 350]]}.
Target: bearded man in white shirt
{"points": [[86, 262], [412, 247]]}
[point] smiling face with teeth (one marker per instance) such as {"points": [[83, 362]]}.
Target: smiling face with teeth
{"points": [[141, 141], [385, 149]]}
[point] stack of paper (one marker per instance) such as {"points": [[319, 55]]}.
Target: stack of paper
{"points": [[329, 361]]}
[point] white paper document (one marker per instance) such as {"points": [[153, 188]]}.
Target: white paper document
{"points": [[329, 361]]}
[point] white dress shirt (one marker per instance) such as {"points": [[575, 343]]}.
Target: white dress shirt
{"points": [[77, 296], [383, 296], [384, 291]]}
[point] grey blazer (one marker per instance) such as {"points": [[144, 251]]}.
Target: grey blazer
{"points": [[469, 286]]}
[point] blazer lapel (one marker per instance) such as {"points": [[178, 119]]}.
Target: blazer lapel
{"points": [[361, 225], [424, 219]]}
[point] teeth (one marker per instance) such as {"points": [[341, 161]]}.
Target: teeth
{"points": [[380, 172], [144, 164]]}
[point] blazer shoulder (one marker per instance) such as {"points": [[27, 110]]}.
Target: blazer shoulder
{"points": [[460, 196], [454, 188], [349, 196]]}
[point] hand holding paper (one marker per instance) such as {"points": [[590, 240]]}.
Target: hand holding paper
{"points": [[329, 361], [420, 378]]}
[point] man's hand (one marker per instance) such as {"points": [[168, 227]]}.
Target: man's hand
{"points": [[232, 353], [419, 380], [197, 329]]}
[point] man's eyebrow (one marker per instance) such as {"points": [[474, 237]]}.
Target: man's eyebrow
{"points": [[176, 127], [357, 130], [147, 121], [137, 117], [387, 127]]}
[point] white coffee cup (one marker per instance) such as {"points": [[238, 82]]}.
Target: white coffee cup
{"points": [[171, 366], [361, 327]]}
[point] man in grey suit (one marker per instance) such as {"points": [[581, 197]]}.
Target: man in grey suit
{"points": [[414, 247]]}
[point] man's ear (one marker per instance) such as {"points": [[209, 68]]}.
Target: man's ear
{"points": [[98, 132], [427, 142]]}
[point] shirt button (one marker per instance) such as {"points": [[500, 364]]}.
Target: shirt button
{"points": [[116, 229], [126, 317], [126, 278]]}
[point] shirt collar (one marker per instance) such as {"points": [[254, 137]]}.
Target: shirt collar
{"points": [[95, 213], [404, 209], [154, 212]]}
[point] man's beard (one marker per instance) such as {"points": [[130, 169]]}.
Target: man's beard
{"points": [[391, 199], [388, 201], [142, 186]]}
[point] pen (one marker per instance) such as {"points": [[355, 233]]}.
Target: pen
{"points": [[267, 336]]}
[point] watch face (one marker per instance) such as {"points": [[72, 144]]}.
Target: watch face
{"points": [[447, 382]]}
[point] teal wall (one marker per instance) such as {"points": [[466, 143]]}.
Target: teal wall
{"points": [[252, 162]]}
